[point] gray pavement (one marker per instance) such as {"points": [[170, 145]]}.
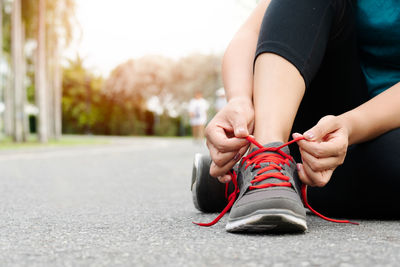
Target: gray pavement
{"points": [[128, 203]]}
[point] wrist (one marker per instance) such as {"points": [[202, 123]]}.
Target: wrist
{"points": [[348, 121], [239, 92], [243, 100]]}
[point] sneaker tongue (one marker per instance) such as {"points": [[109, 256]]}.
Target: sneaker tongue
{"points": [[283, 149], [274, 144]]}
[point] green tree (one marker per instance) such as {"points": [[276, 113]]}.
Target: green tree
{"points": [[82, 98], [88, 109], [50, 24]]}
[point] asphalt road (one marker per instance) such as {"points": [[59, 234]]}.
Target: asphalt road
{"points": [[128, 204]]}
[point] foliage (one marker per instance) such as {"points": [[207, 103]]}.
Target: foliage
{"points": [[197, 72], [81, 98], [6, 29], [59, 16], [173, 82], [167, 126], [86, 109], [118, 105], [60, 19], [59, 25]]}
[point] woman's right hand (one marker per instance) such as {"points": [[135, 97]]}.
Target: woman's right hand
{"points": [[225, 133]]}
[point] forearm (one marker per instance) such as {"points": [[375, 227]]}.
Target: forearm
{"points": [[237, 64], [375, 117]]}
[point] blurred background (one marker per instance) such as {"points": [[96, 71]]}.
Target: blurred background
{"points": [[111, 67]]}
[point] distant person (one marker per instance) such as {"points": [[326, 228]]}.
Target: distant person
{"points": [[198, 107], [220, 102]]}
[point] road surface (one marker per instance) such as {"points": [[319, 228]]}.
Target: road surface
{"points": [[128, 203]]}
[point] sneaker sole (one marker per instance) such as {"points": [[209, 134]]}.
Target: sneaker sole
{"points": [[208, 194], [271, 220], [197, 163]]}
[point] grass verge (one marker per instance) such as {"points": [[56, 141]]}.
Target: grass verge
{"points": [[65, 140]]}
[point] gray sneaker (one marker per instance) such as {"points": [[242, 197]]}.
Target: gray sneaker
{"points": [[208, 194], [269, 199]]}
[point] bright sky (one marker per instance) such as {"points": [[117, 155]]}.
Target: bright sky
{"points": [[114, 31]]}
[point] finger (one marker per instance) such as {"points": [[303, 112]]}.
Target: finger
{"points": [[226, 178], [218, 137], [219, 158], [216, 171], [324, 126], [318, 179], [331, 148], [320, 164], [239, 126], [319, 150], [242, 151], [303, 176]]}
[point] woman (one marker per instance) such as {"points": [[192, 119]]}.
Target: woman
{"points": [[329, 69]]}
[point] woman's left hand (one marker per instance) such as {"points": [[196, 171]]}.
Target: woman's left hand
{"points": [[323, 149]]}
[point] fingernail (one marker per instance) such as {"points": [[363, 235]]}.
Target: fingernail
{"points": [[298, 165], [295, 135], [240, 130], [224, 179], [309, 135], [236, 157]]}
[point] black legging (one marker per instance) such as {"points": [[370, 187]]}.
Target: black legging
{"points": [[319, 38]]}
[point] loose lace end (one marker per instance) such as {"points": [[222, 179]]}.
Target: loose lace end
{"points": [[304, 196], [231, 199]]}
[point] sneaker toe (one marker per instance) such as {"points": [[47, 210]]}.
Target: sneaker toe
{"points": [[282, 199]]}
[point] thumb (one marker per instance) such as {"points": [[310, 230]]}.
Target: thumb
{"points": [[240, 127], [324, 126]]}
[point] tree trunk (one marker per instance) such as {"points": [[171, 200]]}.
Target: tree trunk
{"points": [[54, 77], [2, 87], [57, 92], [5, 82], [9, 106], [49, 88], [2, 73], [16, 47], [40, 76], [24, 92]]}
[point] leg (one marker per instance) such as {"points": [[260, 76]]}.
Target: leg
{"points": [[366, 185], [276, 83], [195, 132], [298, 53], [201, 132], [339, 84], [296, 39]]}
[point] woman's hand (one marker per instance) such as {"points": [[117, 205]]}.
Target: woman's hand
{"points": [[236, 119], [323, 149]]}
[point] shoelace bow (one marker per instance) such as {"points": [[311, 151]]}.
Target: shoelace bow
{"points": [[275, 159]]}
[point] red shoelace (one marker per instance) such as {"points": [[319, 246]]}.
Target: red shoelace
{"points": [[275, 159]]}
